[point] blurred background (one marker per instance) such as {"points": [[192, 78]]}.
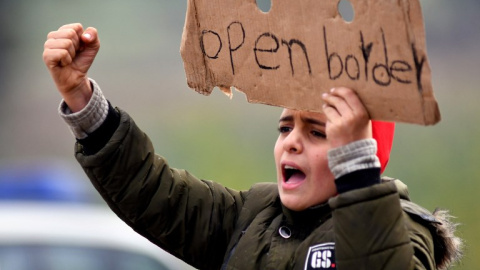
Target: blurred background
{"points": [[230, 141]]}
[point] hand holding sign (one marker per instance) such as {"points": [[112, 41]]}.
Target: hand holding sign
{"points": [[298, 50]]}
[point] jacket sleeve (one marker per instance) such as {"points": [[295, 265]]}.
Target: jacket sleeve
{"points": [[373, 232], [192, 219]]}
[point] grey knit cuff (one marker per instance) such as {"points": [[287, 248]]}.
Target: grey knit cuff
{"points": [[352, 157], [89, 118]]}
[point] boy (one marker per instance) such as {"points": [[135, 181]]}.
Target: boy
{"points": [[328, 210]]}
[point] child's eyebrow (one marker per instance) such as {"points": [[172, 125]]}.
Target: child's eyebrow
{"points": [[313, 121], [287, 118]]}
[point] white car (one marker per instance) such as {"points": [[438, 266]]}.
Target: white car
{"points": [[40, 235]]}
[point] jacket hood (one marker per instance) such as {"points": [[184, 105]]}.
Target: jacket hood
{"points": [[448, 247]]}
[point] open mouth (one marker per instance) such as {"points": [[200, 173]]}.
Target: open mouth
{"points": [[292, 174]]}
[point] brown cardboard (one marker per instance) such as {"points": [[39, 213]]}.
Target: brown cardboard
{"points": [[289, 56]]}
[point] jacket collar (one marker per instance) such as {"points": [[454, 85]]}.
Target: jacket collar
{"points": [[311, 217], [315, 215]]}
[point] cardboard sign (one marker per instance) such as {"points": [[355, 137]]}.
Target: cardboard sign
{"points": [[300, 49]]}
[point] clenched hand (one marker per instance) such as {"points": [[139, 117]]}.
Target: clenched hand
{"points": [[68, 54]]}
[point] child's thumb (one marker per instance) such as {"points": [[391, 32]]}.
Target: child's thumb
{"points": [[90, 39]]}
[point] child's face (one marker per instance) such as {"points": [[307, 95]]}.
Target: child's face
{"points": [[303, 176]]}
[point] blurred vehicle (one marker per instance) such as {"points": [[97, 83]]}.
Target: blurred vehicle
{"points": [[48, 223]]}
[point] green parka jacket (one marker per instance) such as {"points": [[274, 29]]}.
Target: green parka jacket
{"points": [[212, 227]]}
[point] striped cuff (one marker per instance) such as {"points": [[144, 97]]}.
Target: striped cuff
{"points": [[89, 118], [352, 157]]}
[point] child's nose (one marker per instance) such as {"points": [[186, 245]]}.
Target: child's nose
{"points": [[293, 142]]}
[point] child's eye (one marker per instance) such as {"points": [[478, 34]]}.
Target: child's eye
{"points": [[318, 134], [284, 129]]}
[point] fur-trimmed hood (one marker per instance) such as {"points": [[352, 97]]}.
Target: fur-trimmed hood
{"points": [[448, 247]]}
